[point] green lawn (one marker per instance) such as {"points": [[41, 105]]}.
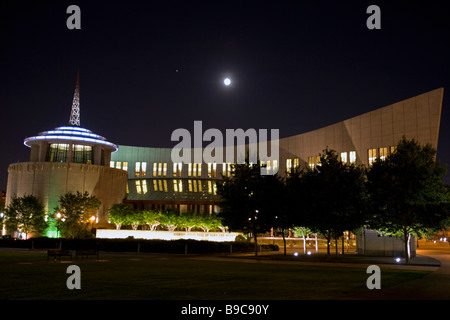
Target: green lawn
{"points": [[28, 275]]}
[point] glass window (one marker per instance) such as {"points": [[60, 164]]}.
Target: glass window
{"points": [[125, 166], [372, 155], [118, 165], [393, 149], [155, 169], [383, 153], [144, 169], [352, 156], [190, 170], [344, 157], [137, 170], [311, 162], [111, 164], [57, 152], [144, 186], [138, 187], [177, 169]]}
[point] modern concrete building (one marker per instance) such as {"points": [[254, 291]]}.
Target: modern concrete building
{"points": [[72, 158], [156, 182], [68, 159]]}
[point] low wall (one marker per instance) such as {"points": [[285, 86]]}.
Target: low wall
{"points": [[371, 243], [166, 235]]}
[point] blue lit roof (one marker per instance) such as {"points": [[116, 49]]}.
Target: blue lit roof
{"points": [[71, 134]]}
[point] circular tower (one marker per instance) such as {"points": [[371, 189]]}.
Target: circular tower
{"points": [[68, 159]]}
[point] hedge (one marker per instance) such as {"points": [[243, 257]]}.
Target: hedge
{"points": [[135, 245]]}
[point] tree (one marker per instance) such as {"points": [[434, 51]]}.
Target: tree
{"points": [[75, 211], [152, 218], [243, 201], [335, 197], [26, 214], [407, 192], [120, 214]]}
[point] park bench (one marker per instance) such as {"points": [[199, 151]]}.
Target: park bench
{"points": [[58, 253], [86, 253]]}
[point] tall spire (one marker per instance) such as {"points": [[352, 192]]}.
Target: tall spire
{"points": [[75, 113]]}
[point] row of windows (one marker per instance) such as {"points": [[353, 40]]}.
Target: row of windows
{"points": [[195, 169], [59, 152], [162, 185], [160, 169], [381, 153]]}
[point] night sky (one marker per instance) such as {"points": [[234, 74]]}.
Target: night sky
{"points": [[150, 67]]}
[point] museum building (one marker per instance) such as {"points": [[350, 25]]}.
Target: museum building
{"points": [[72, 158], [155, 182]]}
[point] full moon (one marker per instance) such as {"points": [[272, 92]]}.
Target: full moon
{"points": [[227, 81]]}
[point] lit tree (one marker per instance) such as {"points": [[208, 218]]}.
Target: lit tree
{"points": [[120, 214], [76, 210], [26, 214]]}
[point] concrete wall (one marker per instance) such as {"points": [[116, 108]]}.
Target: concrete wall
{"points": [[371, 243]]}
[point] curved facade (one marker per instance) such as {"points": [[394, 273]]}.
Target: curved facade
{"points": [[155, 182]]}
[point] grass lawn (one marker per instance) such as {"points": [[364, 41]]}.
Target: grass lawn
{"points": [[28, 275]]}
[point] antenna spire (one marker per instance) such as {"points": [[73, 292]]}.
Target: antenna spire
{"points": [[75, 113]]}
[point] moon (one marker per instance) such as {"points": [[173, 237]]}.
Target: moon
{"points": [[227, 81]]}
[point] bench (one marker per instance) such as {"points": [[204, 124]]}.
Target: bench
{"points": [[58, 253], [86, 253]]}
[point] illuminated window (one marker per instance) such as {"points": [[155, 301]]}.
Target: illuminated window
{"points": [[212, 170], [155, 169], [177, 169], [57, 152], [111, 164], [155, 185], [125, 166], [159, 169], [352, 156], [144, 169], [160, 185], [190, 185], [311, 162], [393, 149], [288, 165], [383, 153], [144, 186], [372, 155], [82, 153], [226, 169], [199, 182], [189, 169], [165, 186], [344, 157], [137, 169], [178, 185], [138, 187], [118, 165], [317, 160], [210, 188]]}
